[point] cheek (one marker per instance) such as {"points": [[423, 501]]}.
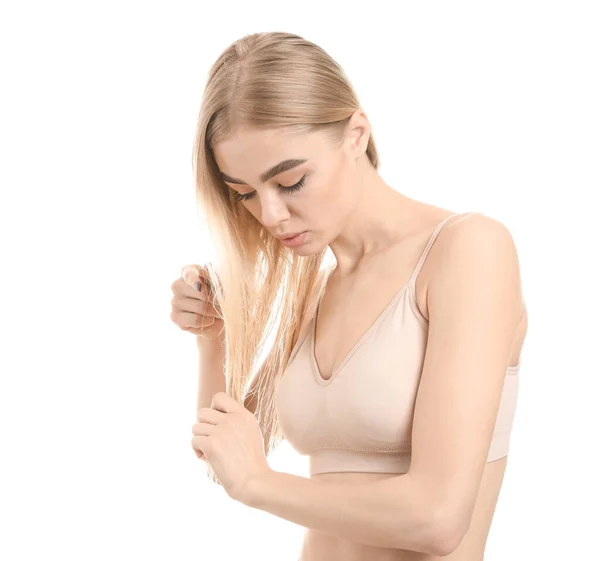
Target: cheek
{"points": [[330, 188], [335, 196]]}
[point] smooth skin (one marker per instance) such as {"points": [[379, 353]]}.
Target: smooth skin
{"points": [[469, 292]]}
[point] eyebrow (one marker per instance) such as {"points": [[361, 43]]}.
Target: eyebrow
{"points": [[272, 172]]}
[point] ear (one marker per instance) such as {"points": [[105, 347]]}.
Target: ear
{"points": [[358, 132]]}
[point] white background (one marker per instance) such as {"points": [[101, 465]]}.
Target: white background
{"points": [[480, 106]]}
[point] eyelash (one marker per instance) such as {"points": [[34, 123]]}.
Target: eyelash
{"points": [[290, 189]]}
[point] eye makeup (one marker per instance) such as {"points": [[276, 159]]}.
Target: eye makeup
{"points": [[290, 189]]}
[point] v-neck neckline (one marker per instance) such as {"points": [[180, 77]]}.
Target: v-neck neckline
{"points": [[401, 290], [337, 370]]}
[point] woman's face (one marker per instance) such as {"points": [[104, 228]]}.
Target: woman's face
{"points": [[314, 192]]}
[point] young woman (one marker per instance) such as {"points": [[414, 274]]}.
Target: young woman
{"points": [[394, 367]]}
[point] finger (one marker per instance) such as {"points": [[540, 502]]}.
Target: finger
{"points": [[199, 453], [225, 404], [191, 276], [188, 299], [210, 276], [207, 416], [193, 320], [201, 442], [182, 291], [184, 286], [198, 279]]}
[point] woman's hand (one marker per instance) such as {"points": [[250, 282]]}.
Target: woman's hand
{"points": [[230, 438], [193, 307]]}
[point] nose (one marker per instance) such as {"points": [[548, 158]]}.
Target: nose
{"points": [[273, 211]]}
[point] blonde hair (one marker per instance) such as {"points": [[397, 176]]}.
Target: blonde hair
{"points": [[274, 81]]}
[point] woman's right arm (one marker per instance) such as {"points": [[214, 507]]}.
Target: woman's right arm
{"points": [[211, 371]]}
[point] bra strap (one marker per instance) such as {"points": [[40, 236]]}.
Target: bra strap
{"points": [[432, 239]]}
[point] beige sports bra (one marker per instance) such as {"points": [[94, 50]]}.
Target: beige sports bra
{"points": [[360, 419]]}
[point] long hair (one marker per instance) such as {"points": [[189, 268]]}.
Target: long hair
{"points": [[278, 81]]}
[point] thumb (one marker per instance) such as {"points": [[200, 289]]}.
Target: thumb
{"points": [[189, 274]]}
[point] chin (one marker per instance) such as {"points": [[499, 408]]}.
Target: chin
{"points": [[305, 250], [309, 249]]}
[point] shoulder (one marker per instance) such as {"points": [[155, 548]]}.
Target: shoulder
{"points": [[471, 234], [477, 220], [470, 249], [466, 234], [474, 249]]}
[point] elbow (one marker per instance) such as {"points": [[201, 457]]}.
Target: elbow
{"points": [[447, 531], [443, 542]]}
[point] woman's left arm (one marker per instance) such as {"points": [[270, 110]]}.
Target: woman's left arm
{"points": [[474, 304], [389, 513]]}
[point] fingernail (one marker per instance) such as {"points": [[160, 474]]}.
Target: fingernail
{"points": [[198, 286]]}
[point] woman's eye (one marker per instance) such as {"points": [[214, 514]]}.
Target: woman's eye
{"points": [[290, 189]]}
